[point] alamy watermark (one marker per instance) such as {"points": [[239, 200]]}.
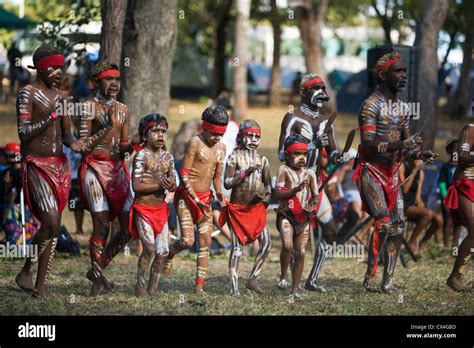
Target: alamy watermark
{"points": [[12, 251], [411, 109]]}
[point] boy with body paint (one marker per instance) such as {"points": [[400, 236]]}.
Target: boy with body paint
{"points": [[153, 174], [297, 190], [247, 173], [103, 176], [46, 172], [202, 167]]}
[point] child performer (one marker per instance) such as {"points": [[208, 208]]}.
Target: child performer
{"points": [[153, 174], [248, 175], [202, 167], [297, 191]]}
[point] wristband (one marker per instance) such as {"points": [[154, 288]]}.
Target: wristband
{"points": [[54, 115], [242, 174]]}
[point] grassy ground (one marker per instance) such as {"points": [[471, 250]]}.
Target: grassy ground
{"points": [[423, 289]]}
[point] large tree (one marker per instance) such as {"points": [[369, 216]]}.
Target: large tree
{"points": [[240, 60], [275, 84], [148, 47], [434, 14], [310, 24], [113, 19]]}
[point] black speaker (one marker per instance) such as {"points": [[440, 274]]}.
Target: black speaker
{"points": [[409, 57]]}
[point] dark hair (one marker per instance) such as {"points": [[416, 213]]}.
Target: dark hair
{"points": [[248, 123], [293, 139], [216, 114], [158, 118], [44, 51], [102, 66], [225, 102], [451, 145]]}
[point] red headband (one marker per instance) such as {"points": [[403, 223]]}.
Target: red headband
{"points": [[213, 128], [386, 65], [108, 73], [297, 146], [250, 130], [49, 61], [148, 126], [312, 82]]}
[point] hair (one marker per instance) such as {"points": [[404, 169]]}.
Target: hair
{"points": [[248, 123], [293, 139], [102, 66], [306, 78], [216, 114], [158, 118], [44, 51], [451, 145], [378, 71]]}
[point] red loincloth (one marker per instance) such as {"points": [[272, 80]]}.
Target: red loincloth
{"points": [[196, 212], [155, 216], [113, 177], [55, 171], [248, 221], [384, 175], [451, 201]]}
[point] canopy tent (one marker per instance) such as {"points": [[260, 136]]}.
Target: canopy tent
{"points": [[9, 20]]}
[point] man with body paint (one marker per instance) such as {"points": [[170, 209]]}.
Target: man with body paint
{"points": [[247, 174], [311, 123], [103, 175], [202, 167], [460, 200], [297, 191], [385, 137], [153, 174], [45, 169]]}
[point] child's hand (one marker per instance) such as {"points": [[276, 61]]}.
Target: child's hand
{"points": [[302, 185], [168, 184]]}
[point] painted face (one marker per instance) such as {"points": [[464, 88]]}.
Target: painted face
{"points": [[52, 76], [108, 86], [315, 95], [156, 137], [211, 138], [396, 76], [251, 140], [298, 158]]}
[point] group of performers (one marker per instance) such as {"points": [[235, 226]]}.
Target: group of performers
{"points": [[105, 181]]}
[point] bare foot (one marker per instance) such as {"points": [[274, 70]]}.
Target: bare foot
{"points": [[167, 268], [253, 285], [107, 284], [456, 283], [370, 286], [97, 286], [24, 280], [42, 292], [140, 291], [199, 289], [283, 284], [311, 286]]}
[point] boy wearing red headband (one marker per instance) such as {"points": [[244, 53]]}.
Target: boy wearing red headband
{"points": [[46, 172], [385, 136], [202, 167], [153, 175], [297, 190], [248, 175], [103, 175], [460, 200]]}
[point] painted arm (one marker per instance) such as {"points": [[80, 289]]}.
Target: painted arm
{"points": [[466, 157], [189, 154], [85, 131], [27, 130], [217, 180], [281, 192], [126, 148]]}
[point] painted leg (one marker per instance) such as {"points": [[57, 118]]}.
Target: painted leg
{"points": [[234, 259], [265, 246]]}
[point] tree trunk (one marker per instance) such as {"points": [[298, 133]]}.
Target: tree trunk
{"points": [[451, 45], [113, 20], [149, 44], [460, 103], [434, 14], [275, 85], [240, 60], [219, 41], [310, 23]]}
